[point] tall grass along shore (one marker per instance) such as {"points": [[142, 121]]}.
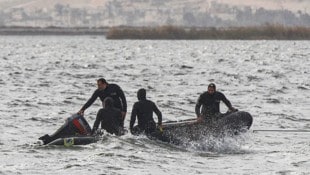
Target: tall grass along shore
{"points": [[266, 32]]}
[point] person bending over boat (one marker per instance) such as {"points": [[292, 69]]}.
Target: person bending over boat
{"points": [[210, 102], [143, 109], [108, 90], [110, 118]]}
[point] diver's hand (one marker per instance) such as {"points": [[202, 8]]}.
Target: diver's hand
{"points": [[232, 109], [160, 127], [200, 119], [123, 115]]}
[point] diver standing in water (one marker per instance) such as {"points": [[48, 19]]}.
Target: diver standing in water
{"points": [[143, 109], [210, 102], [108, 90], [109, 117]]}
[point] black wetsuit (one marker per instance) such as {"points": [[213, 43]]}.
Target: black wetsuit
{"points": [[211, 103], [144, 109], [111, 120], [113, 91]]}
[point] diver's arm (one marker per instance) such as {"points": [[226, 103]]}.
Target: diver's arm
{"points": [[197, 107], [227, 102], [133, 116], [123, 99], [89, 102], [158, 113], [97, 122], [200, 117]]}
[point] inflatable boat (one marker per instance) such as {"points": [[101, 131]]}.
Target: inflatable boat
{"points": [[76, 130], [228, 124]]}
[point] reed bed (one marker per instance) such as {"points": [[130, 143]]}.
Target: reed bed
{"points": [[266, 32]]}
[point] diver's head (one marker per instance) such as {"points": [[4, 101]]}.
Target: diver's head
{"points": [[211, 88], [141, 94], [108, 102], [102, 83]]}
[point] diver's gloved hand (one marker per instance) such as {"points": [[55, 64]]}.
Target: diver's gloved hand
{"points": [[232, 109], [160, 127], [200, 119], [81, 112]]}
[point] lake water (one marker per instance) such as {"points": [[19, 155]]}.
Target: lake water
{"points": [[45, 79]]}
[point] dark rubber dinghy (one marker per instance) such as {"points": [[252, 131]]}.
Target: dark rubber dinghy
{"points": [[78, 140], [229, 124], [76, 130]]}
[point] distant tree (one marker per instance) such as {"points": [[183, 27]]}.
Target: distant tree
{"points": [[189, 19], [289, 18], [170, 21], [305, 19], [2, 18], [244, 17], [261, 16], [206, 20], [59, 9]]}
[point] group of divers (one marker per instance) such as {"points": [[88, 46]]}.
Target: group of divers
{"points": [[112, 115]]}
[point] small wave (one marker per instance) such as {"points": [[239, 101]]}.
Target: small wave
{"points": [[304, 163], [186, 67], [273, 100], [254, 78], [302, 88], [44, 103], [293, 118], [72, 165]]}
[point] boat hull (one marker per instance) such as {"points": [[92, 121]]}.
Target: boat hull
{"points": [[190, 130], [70, 141], [175, 132]]}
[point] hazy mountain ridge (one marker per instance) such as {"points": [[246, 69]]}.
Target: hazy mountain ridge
{"points": [[292, 5], [201, 13]]}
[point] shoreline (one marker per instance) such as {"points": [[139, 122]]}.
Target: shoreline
{"points": [[267, 32], [52, 31]]}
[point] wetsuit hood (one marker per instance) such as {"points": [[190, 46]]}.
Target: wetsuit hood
{"points": [[141, 94], [211, 89], [212, 85]]}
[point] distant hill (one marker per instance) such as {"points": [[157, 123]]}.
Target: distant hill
{"points": [[49, 4], [199, 13], [292, 5]]}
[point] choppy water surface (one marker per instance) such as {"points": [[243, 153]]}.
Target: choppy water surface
{"points": [[45, 79]]}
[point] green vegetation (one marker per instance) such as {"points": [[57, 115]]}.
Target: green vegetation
{"points": [[266, 32]]}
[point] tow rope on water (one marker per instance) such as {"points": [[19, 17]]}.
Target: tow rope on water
{"points": [[280, 130]]}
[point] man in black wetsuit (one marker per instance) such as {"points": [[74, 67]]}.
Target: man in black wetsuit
{"points": [[144, 110], [210, 102], [110, 118], [108, 90]]}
